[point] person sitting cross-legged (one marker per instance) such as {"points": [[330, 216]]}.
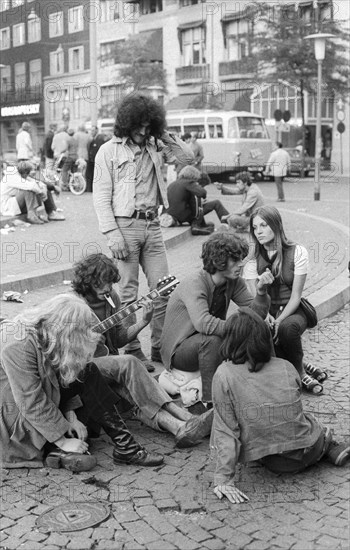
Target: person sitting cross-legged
{"points": [[252, 393], [195, 318], [93, 280]]}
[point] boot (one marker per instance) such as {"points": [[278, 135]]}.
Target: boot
{"points": [[126, 449], [202, 229], [193, 431]]}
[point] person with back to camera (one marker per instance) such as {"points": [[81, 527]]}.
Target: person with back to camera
{"points": [[93, 280], [128, 189], [250, 379], [195, 317], [48, 151], [187, 202], [289, 263], [51, 389], [24, 144], [278, 165], [197, 150]]}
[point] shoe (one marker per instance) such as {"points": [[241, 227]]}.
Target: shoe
{"points": [[311, 385], [56, 216], [281, 200], [44, 218], [141, 458], [75, 462], [193, 431], [138, 353], [197, 230], [155, 355], [338, 453], [317, 373], [34, 219]]}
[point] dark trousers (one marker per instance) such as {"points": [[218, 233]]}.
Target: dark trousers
{"points": [[297, 461], [217, 206], [289, 345], [279, 185], [94, 392], [199, 352], [28, 202], [89, 175]]}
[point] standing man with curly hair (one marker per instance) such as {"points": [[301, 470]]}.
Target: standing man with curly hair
{"points": [[128, 188]]}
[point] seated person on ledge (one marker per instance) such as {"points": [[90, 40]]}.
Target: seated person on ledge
{"points": [[127, 376], [187, 202], [252, 198], [250, 379], [195, 316], [50, 391], [23, 194]]}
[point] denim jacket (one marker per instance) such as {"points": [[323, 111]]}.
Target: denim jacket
{"points": [[115, 176]]}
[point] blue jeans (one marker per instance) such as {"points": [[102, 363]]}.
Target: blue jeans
{"points": [[129, 379], [145, 242]]}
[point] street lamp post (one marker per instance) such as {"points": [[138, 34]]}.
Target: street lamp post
{"points": [[320, 50]]}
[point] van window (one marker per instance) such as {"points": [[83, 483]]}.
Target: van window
{"points": [[232, 130], [195, 125], [251, 127], [215, 127]]}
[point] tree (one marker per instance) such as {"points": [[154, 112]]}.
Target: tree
{"points": [[282, 53]]}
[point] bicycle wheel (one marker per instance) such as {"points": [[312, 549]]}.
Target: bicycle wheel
{"points": [[77, 184]]}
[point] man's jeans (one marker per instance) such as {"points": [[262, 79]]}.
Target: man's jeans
{"points": [[216, 205], [199, 352], [145, 242], [279, 185], [129, 379]]}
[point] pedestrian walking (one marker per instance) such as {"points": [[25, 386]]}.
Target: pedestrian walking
{"points": [[197, 150], [83, 140], [128, 188], [24, 145], [278, 166]]}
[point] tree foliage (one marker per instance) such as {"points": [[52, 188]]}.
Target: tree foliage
{"points": [[282, 53]]}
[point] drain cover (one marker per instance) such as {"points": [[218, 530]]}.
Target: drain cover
{"points": [[73, 516]]}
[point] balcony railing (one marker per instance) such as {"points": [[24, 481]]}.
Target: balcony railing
{"points": [[192, 73], [239, 66], [21, 94]]}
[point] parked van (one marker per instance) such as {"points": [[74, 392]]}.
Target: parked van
{"points": [[232, 141]]}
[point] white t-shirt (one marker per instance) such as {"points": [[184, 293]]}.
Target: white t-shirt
{"points": [[301, 263]]}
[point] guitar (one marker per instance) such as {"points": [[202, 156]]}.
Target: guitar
{"points": [[164, 288]]}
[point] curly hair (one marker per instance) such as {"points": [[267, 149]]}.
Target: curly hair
{"points": [[246, 338], [245, 177], [220, 248], [273, 218], [94, 270], [64, 328], [137, 109]]}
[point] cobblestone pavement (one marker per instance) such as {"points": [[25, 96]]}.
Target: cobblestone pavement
{"points": [[172, 506]]}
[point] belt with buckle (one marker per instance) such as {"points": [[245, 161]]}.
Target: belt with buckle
{"points": [[147, 215]]}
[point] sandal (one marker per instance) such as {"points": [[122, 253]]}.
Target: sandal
{"points": [[311, 385], [317, 373]]}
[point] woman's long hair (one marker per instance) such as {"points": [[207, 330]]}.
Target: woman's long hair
{"points": [[63, 326], [247, 338], [272, 217]]}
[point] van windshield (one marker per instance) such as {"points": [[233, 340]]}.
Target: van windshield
{"points": [[252, 128]]}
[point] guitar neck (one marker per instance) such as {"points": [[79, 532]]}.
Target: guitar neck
{"points": [[111, 321]]}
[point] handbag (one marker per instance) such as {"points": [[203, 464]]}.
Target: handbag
{"points": [[310, 312]]}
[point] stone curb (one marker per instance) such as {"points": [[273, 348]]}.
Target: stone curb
{"points": [[53, 276]]}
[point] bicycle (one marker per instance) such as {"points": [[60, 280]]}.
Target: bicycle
{"points": [[76, 181]]}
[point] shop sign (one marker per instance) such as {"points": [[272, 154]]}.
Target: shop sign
{"points": [[18, 110]]}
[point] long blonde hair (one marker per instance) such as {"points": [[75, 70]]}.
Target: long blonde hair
{"points": [[63, 327]]}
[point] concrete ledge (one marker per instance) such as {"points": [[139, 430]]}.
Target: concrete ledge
{"points": [[332, 297], [52, 276]]}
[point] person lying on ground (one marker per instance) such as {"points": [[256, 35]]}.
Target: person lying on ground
{"points": [[93, 280], [51, 390], [195, 318], [250, 379]]}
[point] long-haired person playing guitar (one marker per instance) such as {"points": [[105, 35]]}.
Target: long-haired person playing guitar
{"points": [[93, 280]]}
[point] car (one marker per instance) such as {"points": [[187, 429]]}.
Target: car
{"points": [[296, 164]]}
